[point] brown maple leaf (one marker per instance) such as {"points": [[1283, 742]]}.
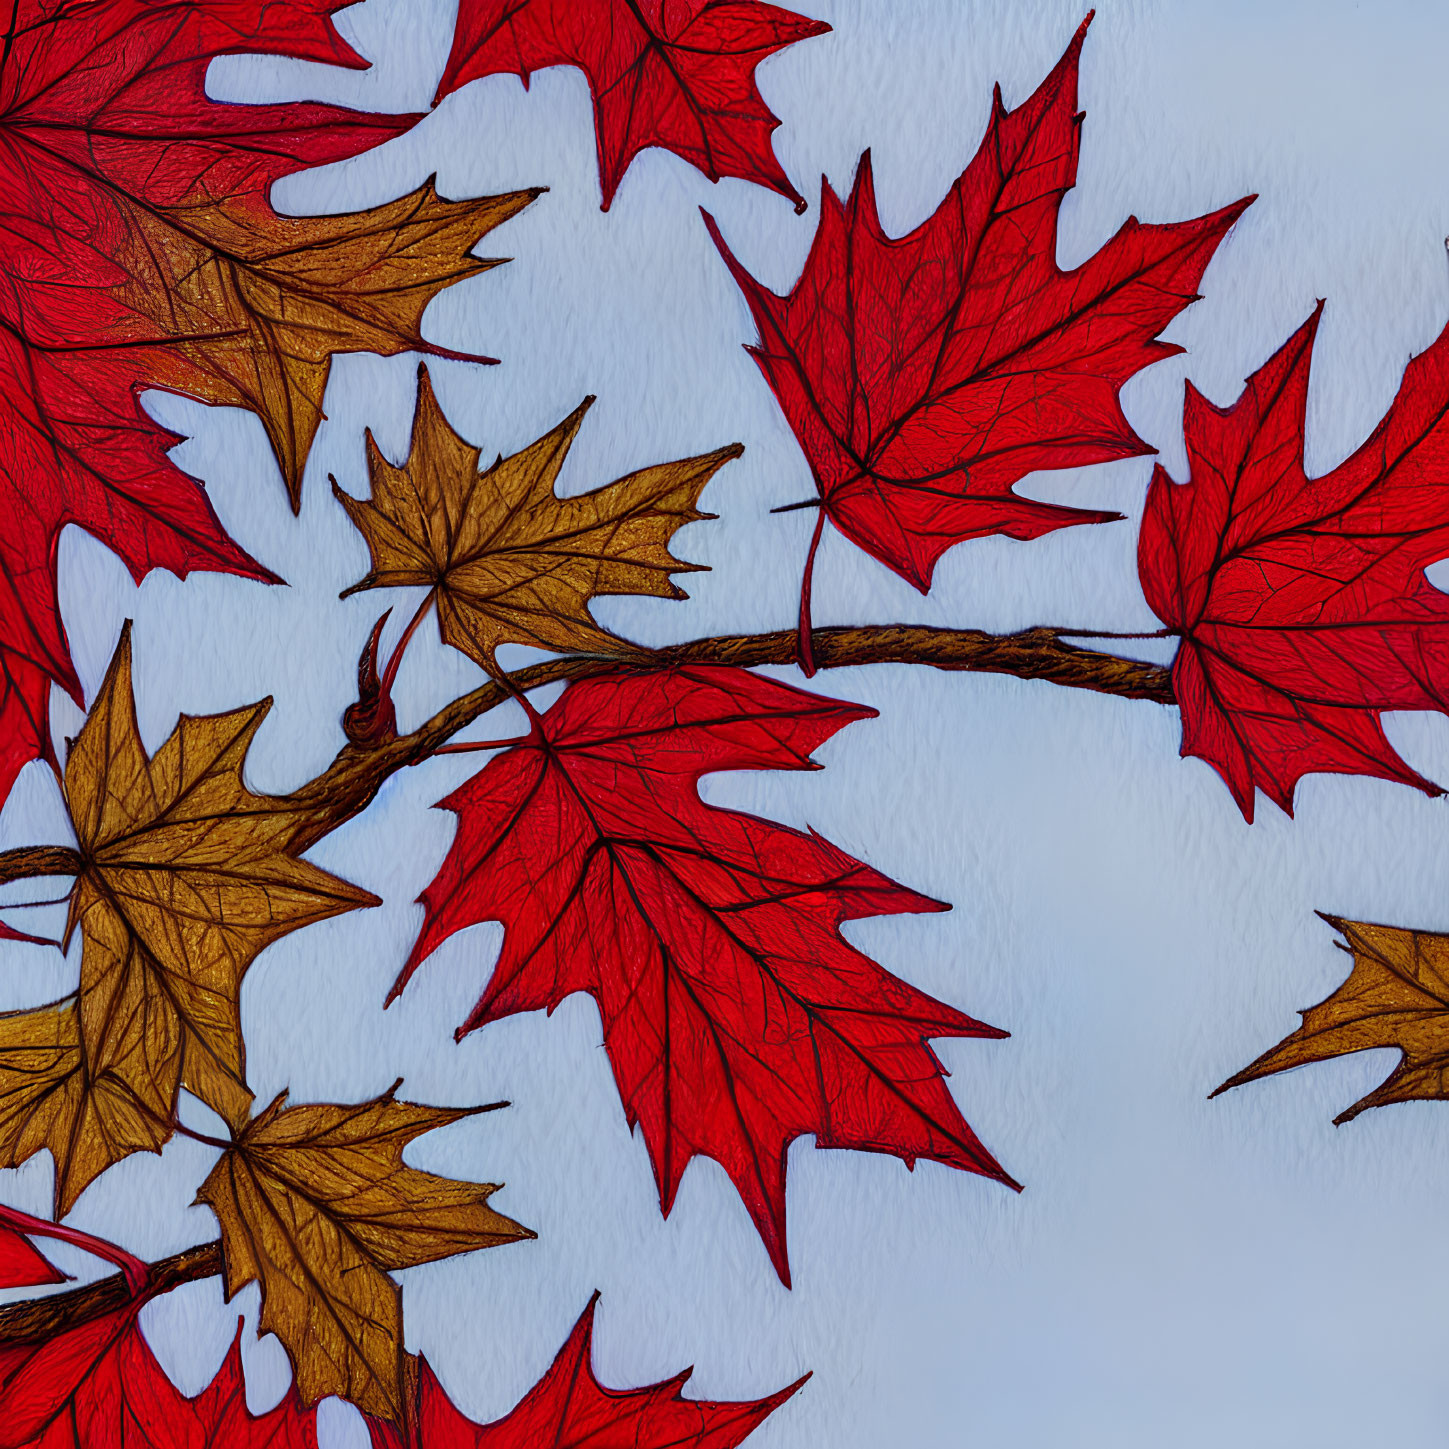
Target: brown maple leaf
{"points": [[258, 302], [87, 1119], [510, 561], [316, 1204], [185, 876], [140, 251], [1397, 995]]}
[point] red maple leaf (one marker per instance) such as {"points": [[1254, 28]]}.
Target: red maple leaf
{"points": [[98, 1386], [926, 375], [569, 1409], [673, 73], [24, 700], [22, 1264], [1302, 603], [105, 127], [735, 1016], [10, 933]]}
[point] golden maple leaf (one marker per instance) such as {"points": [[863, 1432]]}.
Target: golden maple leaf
{"points": [[185, 876], [1397, 995], [508, 560], [257, 303], [316, 1204], [88, 1118]]}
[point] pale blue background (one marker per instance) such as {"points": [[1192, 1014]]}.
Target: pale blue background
{"points": [[1177, 1272]]}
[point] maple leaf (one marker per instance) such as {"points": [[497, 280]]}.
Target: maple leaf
{"points": [[99, 1386], [925, 375], [1397, 995], [258, 302], [1301, 602], [735, 1015], [315, 1203], [87, 1117], [510, 561], [10, 933], [569, 1409], [22, 1264], [673, 73], [185, 876], [137, 249], [24, 709]]}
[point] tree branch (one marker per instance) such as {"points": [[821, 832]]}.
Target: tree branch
{"points": [[42, 1318], [352, 780], [37, 860], [349, 784], [354, 777]]}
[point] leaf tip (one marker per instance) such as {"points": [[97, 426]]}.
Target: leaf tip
{"points": [[483, 1107], [790, 1390]]}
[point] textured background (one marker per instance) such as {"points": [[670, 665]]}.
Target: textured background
{"points": [[1177, 1271]]}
